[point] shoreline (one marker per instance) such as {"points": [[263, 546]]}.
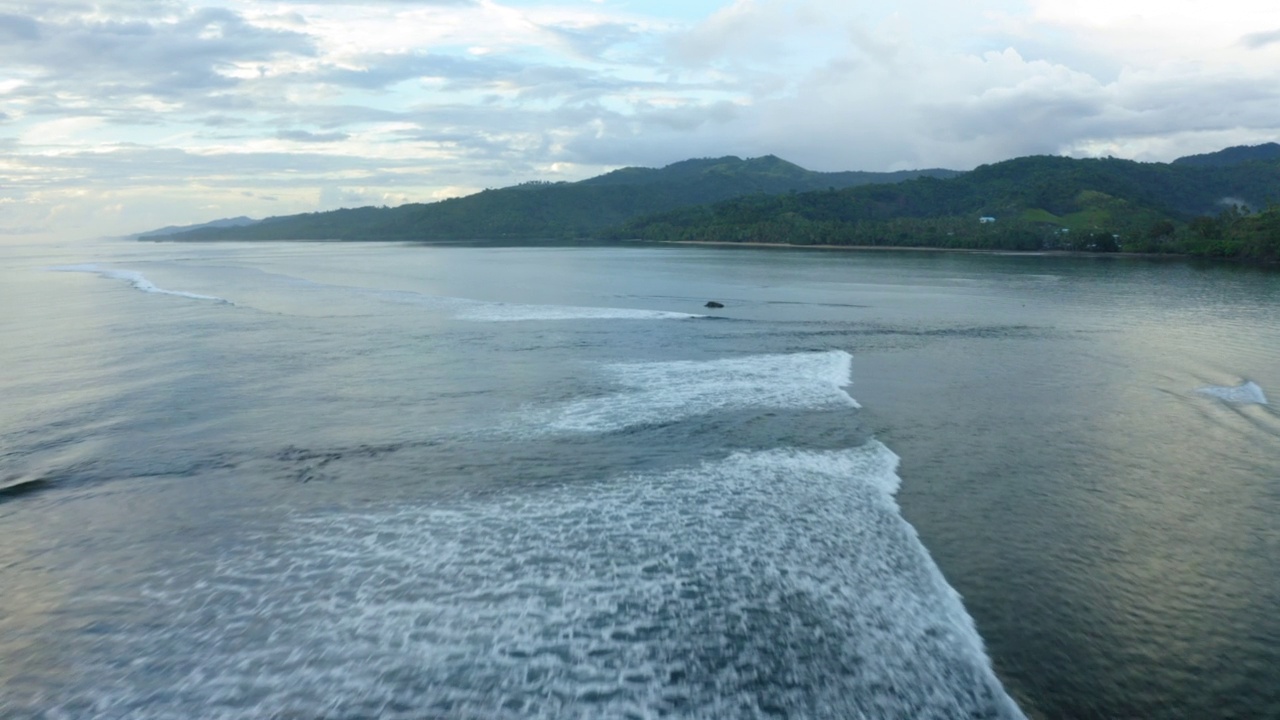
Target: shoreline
{"points": [[926, 248]]}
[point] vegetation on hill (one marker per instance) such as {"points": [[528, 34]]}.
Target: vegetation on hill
{"points": [[1236, 234], [556, 210], [1233, 156], [1200, 205], [1030, 203], [223, 223]]}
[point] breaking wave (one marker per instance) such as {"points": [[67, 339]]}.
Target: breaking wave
{"points": [[137, 280], [768, 583], [1247, 393], [502, 312], [481, 311], [666, 391], [778, 582]]}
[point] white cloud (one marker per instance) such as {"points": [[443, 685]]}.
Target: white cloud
{"points": [[178, 111], [912, 88], [60, 132]]}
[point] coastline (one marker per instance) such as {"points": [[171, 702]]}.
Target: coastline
{"points": [[926, 248]]}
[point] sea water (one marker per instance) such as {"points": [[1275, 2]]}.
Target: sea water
{"points": [[376, 480]]}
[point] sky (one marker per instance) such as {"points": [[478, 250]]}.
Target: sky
{"points": [[119, 116]]}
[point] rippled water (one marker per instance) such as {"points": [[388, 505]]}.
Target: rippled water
{"points": [[327, 480]]}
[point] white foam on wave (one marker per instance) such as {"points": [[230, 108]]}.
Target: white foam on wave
{"points": [[765, 583], [137, 280], [1247, 393], [666, 391], [480, 311], [504, 312]]}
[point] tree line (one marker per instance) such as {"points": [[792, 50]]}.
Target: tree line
{"points": [[1197, 206]]}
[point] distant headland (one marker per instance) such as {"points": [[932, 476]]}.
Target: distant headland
{"points": [[1224, 204]]}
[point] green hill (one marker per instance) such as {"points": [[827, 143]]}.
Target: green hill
{"points": [[1028, 203], [1205, 205], [1233, 156], [555, 210]]}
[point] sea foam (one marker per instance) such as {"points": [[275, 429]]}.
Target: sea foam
{"points": [[503, 312], [767, 583], [137, 280], [665, 391], [759, 583], [1247, 393], [481, 311]]}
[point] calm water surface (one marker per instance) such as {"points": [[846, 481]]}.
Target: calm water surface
{"points": [[350, 481]]}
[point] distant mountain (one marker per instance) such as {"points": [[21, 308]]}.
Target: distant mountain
{"points": [[553, 210], [1233, 156], [1202, 204], [235, 222], [770, 175], [1029, 203]]}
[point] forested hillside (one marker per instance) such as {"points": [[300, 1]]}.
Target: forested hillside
{"points": [[1030, 203], [1233, 155], [556, 210], [1219, 204]]}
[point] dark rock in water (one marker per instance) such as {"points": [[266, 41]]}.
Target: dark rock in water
{"points": [[714, 304]]}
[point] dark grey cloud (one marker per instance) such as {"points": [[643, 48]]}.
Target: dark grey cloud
{"points": [[384, 70], [1261, 40], [304, 136], [423, 3], [130, 165], [331, 117], [223, 121], [38, 105], [1037, 116], [460, 119], [657, 136], [594, 42], [510, 136], [1183, 101], [122, 57], [459, 74], [18, 28], [230, 102], [111, 8], [518, 142], [573, 85]]}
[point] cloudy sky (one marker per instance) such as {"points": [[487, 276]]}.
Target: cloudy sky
{"points": [[125, 115]]}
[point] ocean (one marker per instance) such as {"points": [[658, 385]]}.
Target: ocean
{"points": [[348, 480]]}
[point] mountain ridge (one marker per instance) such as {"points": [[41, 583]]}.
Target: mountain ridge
{"points": [[539, 210], [234, 222], [1028, 203], [1234, 155], [1204, 204]]}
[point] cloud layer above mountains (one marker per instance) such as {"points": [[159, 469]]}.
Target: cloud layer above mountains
{"points": [[123, 115]]}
